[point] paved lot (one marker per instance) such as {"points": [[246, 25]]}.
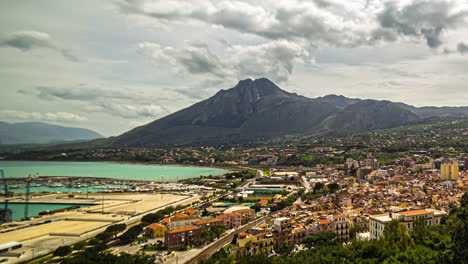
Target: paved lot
{"points": [[82, 224]]}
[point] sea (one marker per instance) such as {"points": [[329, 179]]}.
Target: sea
{"points": [[160, 173]]}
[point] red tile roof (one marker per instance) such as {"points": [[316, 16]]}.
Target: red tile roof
{"points": [[180, 215], [155, 226], [414, 212], [183, 229], [207, 221], [191, 211], [228, 215]]}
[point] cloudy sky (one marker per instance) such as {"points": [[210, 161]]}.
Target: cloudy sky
{"points": [[113, 65]]}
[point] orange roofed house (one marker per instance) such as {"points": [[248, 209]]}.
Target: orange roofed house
{"points": [[180, 220], [182, 237], [155, 230], [377, 222]]}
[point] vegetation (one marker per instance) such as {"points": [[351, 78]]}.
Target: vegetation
{"points": [[131, 234], [211, 233], [98, 254], [63, 251]]}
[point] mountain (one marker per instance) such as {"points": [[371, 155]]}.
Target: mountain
{"points": [[252, 109], [258, 109], [42, 133], [338, 100], [367, 115]]}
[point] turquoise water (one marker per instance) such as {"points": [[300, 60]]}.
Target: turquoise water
{"points": [[35, 209], [17, 169]]}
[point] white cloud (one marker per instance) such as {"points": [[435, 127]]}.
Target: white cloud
{"points": [[274, 60], [37, 116]]}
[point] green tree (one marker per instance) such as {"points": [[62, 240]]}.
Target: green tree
{"points": [[104, 236], [459, 232], [333, 187], [80, 245], [318, 186], [115, 229], [396, 238], [63, 251]]}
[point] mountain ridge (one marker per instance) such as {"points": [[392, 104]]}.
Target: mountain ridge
{"points": [[42, 133], [259, 109]]}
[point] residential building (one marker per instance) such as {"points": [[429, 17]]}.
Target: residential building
{"points": [[247, 215], [377, 223], [249, 244], [231, 220], [182, 237], [372, 163], [282, 224], [449, 172], [341, 225], [363, 172], [180, 220], [207, 223]]}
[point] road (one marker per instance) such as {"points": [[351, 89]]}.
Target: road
{"points": [[218, 244], [306, 184]]}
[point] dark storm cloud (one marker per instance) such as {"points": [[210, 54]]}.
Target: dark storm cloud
{"points": [[462, 47], [77, 93], [426, 19], [314, 23], [28, 40]]}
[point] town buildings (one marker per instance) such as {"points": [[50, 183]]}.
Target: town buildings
{"points": [[182, 237], [377, 223]]}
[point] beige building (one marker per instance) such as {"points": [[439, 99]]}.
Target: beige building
{"points": [[449, 172], [249, 245], [377, 223]]}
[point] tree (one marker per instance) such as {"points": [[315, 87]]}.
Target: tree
{"points": [[104, 236], [63, 251], [115, 229], [285, 249], [459, 232], [256, 207], [321, 238], [318, 186], [80, 245], [333, 187], [131, 234], [420, 231], [354, 230], [396, 237]]}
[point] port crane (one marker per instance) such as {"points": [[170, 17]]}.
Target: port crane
{"points": [[28, 181], [6, 211]]}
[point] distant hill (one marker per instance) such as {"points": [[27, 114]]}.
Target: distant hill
{"points": [[339, 101], [258, 109], [41, 133]]}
